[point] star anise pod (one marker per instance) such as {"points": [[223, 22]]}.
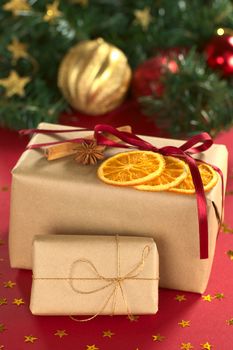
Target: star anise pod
{"points": [[89, 153]]}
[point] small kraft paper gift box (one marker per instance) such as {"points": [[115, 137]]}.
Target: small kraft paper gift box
{"points": [[94, 275], [53, 197]]}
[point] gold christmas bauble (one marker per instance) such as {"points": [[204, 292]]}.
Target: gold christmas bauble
{"points": [[94, 77]]}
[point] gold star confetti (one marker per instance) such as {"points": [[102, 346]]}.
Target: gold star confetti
{"points": [[9, 284], [17, 6], [219, 296], [230, 322], [60, 333], [133, 318], [230, 254], [14, 84], [29, 339], [206, 346], [180, 297], [92, 347], [18, 302], [17, 49], [226, 229], [108, 334], [2, 328], [143, 17], [158, 337], [186, 346], [207, 297], [184, 323], [52, 11], [3, 301]]}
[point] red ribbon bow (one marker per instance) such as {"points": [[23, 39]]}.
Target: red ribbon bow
{"points": [[197, 144]]}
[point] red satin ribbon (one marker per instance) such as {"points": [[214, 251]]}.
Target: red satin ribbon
{"points": [[198, 143]]}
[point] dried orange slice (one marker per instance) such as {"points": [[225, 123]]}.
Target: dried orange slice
{"points": [[209, 179], [131, 168], [175, 171]]}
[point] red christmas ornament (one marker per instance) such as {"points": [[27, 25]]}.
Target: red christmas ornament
{"points": [[147, 77], [219, 52]]}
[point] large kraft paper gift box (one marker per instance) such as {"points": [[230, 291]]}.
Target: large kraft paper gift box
{"points": [[63, 197]]}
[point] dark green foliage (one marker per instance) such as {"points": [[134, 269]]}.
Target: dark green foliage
{"points": [[175, 23]]}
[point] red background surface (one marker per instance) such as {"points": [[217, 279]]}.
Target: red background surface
{"points": [[209, 326]]}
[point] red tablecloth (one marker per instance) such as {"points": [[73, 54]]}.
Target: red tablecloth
{"points": [[184, 321]]}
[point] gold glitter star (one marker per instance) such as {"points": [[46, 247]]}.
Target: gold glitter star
{"points": [[230, 322], [180, 297], [206, 346], [143, 17], [186, 346], [108, 334], [3, 301], [230, 254], [158, 337], [29, 339], [92, 347], [14, 84], [2, 328], [17, 6], [18, 302], [184, 323], [17, 49], [52, 11], [9, 284], [219, 296], [207, 297], [60, 333], [133, 318], [225, 228]]}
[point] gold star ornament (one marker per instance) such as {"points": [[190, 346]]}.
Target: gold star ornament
{"points": [[18, 302], [207, 297], [2, 328], [3, 301], [206, 346], [184, 323], [186, 346], [52, 11], [29, 339], [9, 284], [230, 254], [14, 84], [230, 322], [219, 296], [17, 6], [91, 347], [143, 17], [180, 297], [108, 334], [158, 337], [60, 333], [17, 49]]}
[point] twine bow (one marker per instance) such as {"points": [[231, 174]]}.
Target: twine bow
{"points": [[196, 144]]}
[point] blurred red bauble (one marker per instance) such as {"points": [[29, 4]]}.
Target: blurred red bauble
{"points": [[147, 76], [219, 52]]}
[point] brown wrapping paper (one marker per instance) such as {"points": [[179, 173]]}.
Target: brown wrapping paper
{"points": [[61, 196], [62, 267]]}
